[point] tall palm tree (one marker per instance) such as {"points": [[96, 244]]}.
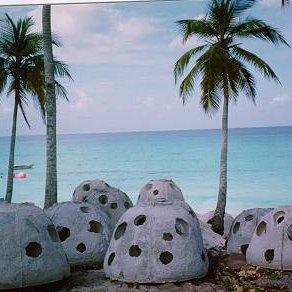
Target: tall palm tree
{"points": [[222, 66], [22, 74], [51, 177]]}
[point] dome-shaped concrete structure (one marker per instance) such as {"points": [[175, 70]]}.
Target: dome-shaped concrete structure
{"points": [[160, 189], [242, 229], [111, 200], [84, 232], [156, 243], [30, 249], [228, 220], [271, 243]]}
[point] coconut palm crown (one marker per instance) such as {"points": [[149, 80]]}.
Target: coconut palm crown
{"points": [[223, 66], [22, 74]]}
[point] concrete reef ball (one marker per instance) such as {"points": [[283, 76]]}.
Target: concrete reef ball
{"points": [[83, 230], [156, 243], [228, 220], [160, 189], [30, 250], [271, 243], [111, 200], [242, 229]]}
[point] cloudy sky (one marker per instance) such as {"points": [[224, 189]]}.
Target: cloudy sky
{"points": [[121, 57]]}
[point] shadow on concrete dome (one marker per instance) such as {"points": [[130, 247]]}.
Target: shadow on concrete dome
{"points": [[160, 189], [228, 220], [156, 243], [31, 253], [271, 243], [242, 229], [84, 232], [111, 200]]}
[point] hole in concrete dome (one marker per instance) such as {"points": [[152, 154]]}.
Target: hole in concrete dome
{"points": [[172, 185], [134, 251], [166, 257], [120, 230], [279, 217], [33, 249], [236, 227], [289, 232], [244, 248], [192, 213], [86, 187], [262, 228], [111, 258], [127, 205], [63, 232], [249, 218], [53, 233], [269, 255], [167, 236], [84, 209], [81, 247], [140, 220], [148, 187], [181, 227], [95, 227], [203, 256], [114, 206], [102, 199], [155, 192]]}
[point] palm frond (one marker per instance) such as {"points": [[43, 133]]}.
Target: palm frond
{"points": [[61, 69], [255, 28], [184, 60], [200, 28], [61, 90], [255, 61]]}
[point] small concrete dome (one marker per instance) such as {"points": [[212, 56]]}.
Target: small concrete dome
{"points": [[111, 200], [228, 220], [156, 243], [160, 189], [84, 231], [242, 229], [30, 250], [271, 243]]}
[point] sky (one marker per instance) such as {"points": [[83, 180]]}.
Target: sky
{"points": [[121, 57]]}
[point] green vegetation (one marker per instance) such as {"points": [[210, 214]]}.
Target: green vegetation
{"points": [[22, 75], [222, 66]]}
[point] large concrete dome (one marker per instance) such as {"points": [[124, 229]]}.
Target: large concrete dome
{"points": [[30, 250], [156, 243]]}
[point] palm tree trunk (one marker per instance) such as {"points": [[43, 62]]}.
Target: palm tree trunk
{"points": [[217, 221], [9, 189], [51, 177]]}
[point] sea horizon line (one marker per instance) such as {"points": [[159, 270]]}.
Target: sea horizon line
{"points": [[151, 131]]}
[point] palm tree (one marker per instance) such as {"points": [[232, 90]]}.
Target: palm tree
{"points": [[22, 74], [51, 178], [222, 65]]}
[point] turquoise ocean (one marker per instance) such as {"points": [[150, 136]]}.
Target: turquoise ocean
{"points": [[259, 166]]}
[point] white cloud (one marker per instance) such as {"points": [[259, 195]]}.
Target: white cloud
{"points": [[282, 99], [6, 106], [82, 101], [95, 34], [177, 42], [270, 2]]}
